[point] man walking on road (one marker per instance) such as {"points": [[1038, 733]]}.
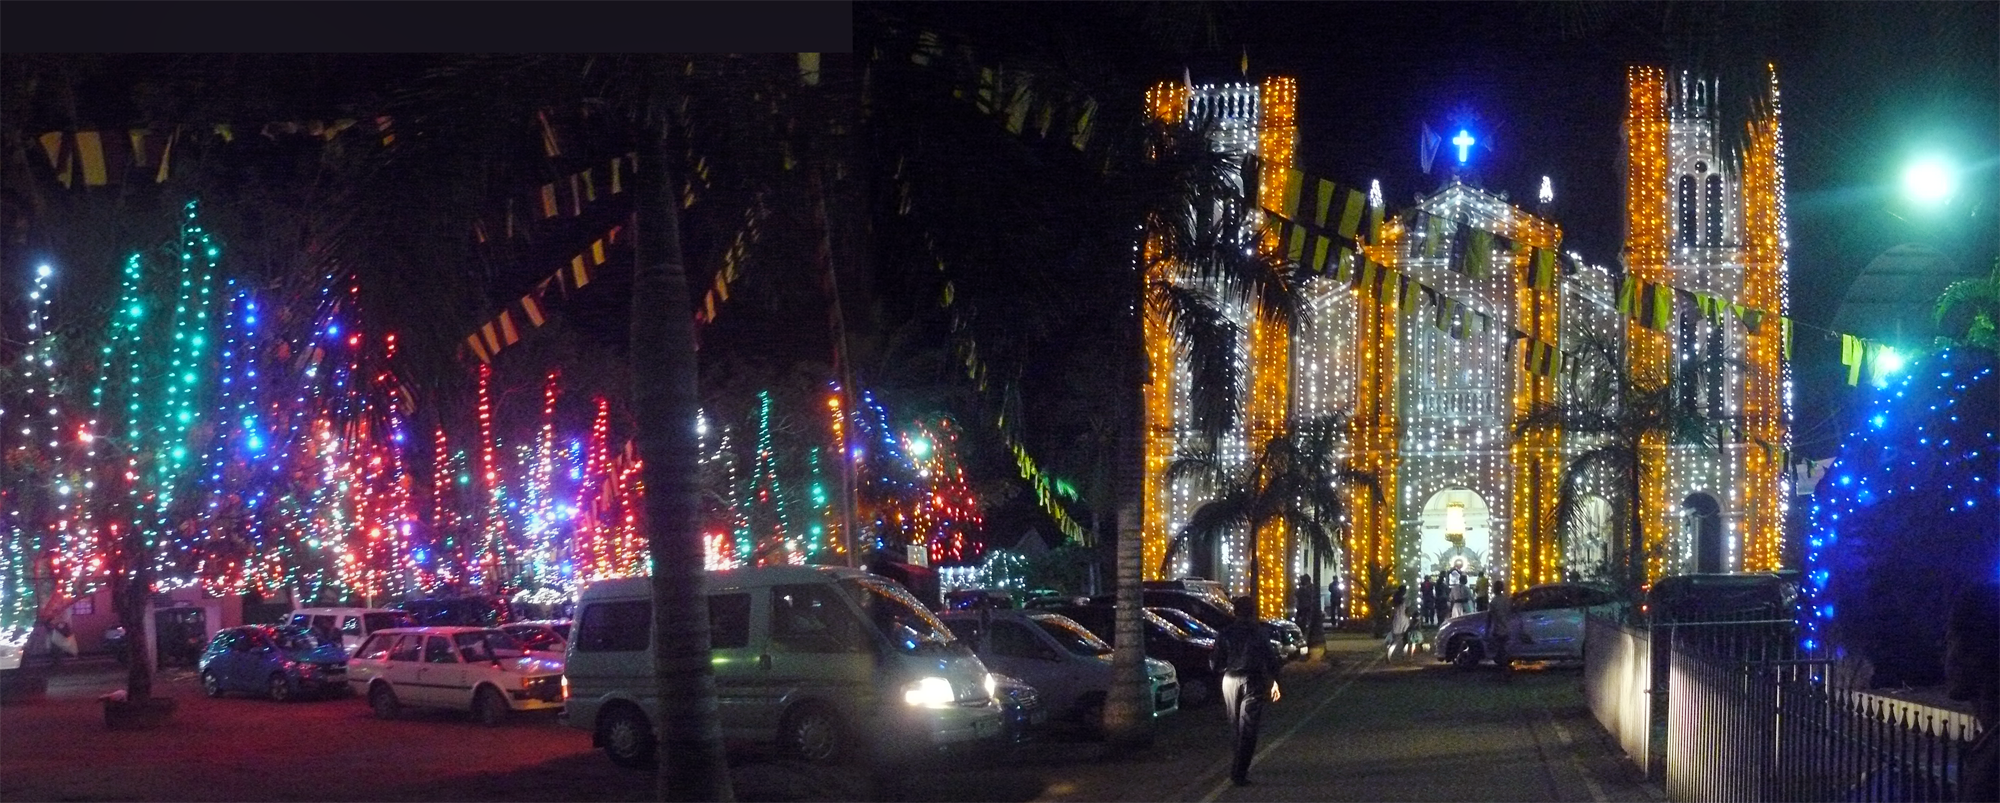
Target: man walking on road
{"points": [[1249, 667]]}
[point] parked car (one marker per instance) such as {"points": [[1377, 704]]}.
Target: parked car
{"points": [[970, 598], [10, 655], [282, 662], [1069, 667], [1021, 709], [473, 611], [1164, 640], [1545, 623], [1200, 603], [551, 637], [352, 625], [478, 669], [819, 660]]}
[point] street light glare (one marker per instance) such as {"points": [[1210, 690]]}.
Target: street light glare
{"points": [[1928, 181]]}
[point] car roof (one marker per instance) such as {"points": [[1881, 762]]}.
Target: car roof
{"points": [[323, 610], [436, 629], [754, 577]]}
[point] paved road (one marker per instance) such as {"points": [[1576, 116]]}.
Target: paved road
{"points": [[1348, 729]]}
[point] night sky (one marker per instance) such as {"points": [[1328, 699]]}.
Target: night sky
{"points": [[1865, 87]]}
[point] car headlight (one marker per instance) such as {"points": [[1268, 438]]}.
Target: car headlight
{"points": [[991, 686], [930, 692]]}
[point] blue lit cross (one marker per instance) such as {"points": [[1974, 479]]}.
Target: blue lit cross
{"points": [[1464, 140]]}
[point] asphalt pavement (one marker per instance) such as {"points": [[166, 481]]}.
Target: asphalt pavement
{"points": [[1351, 728]]}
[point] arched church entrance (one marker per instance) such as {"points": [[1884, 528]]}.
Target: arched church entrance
{"points": [[1701, 525], [1456, 532], [1588, 541]]}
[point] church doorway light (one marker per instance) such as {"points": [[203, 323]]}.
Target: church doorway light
{"points": [[1455, 531], [1701, 526]]}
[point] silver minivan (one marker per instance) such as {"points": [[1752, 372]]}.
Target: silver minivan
{"points": [[817, 660]]}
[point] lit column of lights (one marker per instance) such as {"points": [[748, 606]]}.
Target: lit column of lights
{"points": [[1648, 199], [770, 526], [1165, 507], [187, 363], [1765, 386], [842, 532], [218, 560], [493, 516], [721, 515], [594, 558], [1536, 456], [444, 518], [43, 469], [1268, 407], [630, 487], [1372, 541], [821, 517], [538, 499]]}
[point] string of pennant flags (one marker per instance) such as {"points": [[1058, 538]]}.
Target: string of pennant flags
{"points": [[564, 197], [100, 157], [502, 330]]}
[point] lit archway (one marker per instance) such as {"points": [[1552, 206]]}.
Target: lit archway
{"points": [[1701, 527], [1455, 531]]}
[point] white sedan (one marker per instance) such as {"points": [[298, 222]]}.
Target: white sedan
{"points": [[1546, 624], [478, 669]]}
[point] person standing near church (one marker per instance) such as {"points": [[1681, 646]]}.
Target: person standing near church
{"points": [[1306, 612], [1427, 601], [1459, 593], [1249, 666]]}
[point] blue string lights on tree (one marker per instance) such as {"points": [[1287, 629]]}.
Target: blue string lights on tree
{"points": [[1908, 514]]}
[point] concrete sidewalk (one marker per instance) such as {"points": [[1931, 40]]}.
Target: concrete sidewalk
{"points": [[1417, 730]]}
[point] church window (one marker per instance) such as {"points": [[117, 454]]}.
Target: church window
{"points": [[1712, 212], [1686, 204]]}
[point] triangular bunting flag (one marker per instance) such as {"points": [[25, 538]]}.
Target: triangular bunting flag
{"points": [[533, 309], [478, 347], [507, 331], [579, 275]]}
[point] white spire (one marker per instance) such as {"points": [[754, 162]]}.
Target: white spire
{"points": [[1548, 192]]}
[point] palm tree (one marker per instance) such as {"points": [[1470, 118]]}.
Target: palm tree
{"points": [[1297, 478], [1976, 302], [1623, 425]]}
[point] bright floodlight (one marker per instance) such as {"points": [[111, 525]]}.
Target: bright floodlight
{"points": [[1928, 181]]}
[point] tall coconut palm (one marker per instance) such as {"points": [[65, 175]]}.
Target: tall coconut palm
{"points": [[1974, 305], [1298, 477], [1622, 423]]}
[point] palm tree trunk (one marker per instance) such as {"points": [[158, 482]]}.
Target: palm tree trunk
{"points": [[1635, 560], [1128, 720], [664, 396]]}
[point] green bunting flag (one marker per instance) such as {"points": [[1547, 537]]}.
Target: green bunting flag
{"points": [[1479, 253], [1851, 349]]}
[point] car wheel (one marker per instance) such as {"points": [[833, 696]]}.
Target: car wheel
{"points": [[279, 689], [813, 733], [211, 685], [1465, 653], [383, 700], [490, 707], [627, 737]]}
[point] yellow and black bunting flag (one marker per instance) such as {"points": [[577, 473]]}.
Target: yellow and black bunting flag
{"points": [[1851, 352], [1542, 270], [1479, 253], [478, 346], [533, 307], [1628, 297]]}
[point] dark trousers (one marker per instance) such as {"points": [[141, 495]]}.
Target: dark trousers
{"points": [[1243, 697]]}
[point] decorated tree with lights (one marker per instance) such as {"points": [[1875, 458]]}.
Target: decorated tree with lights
{"points": [[144, 433], [1907, 516], [947, 519]]}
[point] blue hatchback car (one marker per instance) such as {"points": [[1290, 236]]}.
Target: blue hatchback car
{"points": [[278, 661]]}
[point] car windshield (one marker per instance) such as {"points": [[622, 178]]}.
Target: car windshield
{"points": [[909, 625], [1173, 630], [486, 645], [1072, 636], [384, 621], [536, 637], [1194, 627]]}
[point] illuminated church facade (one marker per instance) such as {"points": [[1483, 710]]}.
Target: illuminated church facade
{"points": [[1438, 333]]}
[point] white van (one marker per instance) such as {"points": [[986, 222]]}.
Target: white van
{"points": [[352, 625], [816, 659]]}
